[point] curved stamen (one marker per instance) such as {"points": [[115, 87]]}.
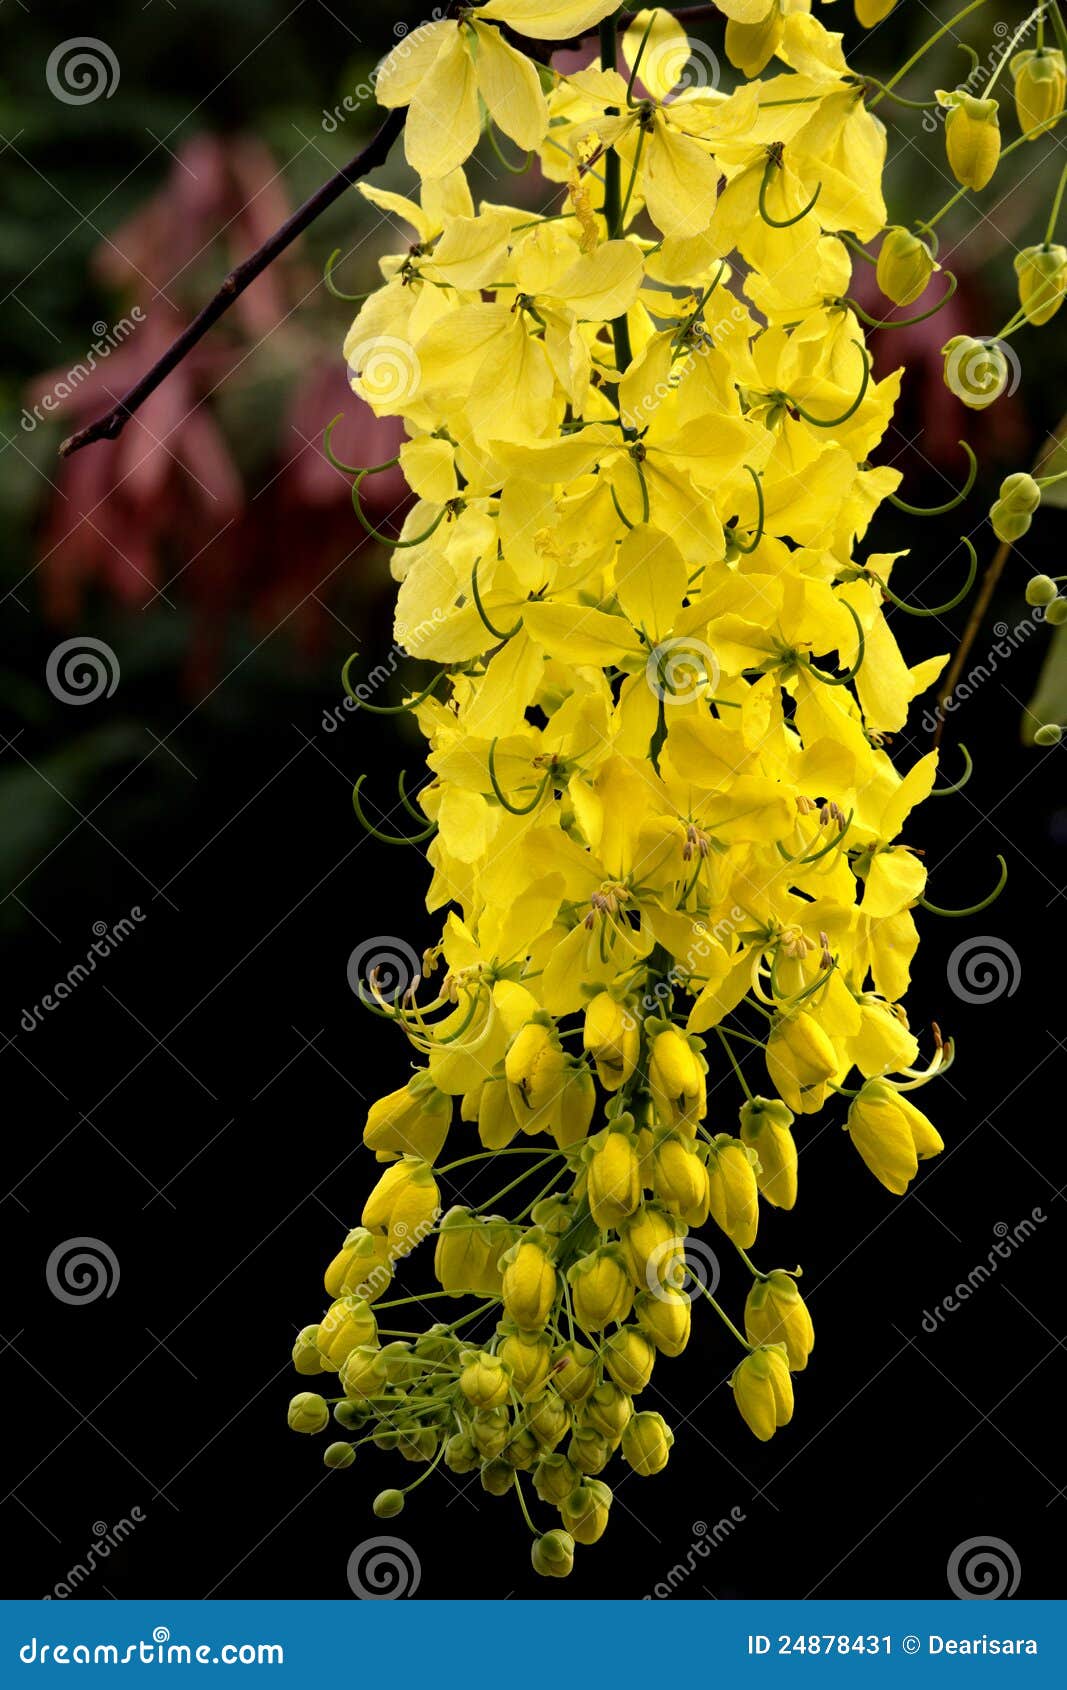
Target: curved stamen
{"points": [[386, 709], [972, 909], [957, 786], [950, 505], [620, 513], [375, 534], [630, 101], [348, 469], [937, 609], [902, 322], [774, 162], [513, 169], [850, 675], [758, 535], [387, 838], [498, 634], [823, 850], [514, 809], [331, 285], [835, 422]]}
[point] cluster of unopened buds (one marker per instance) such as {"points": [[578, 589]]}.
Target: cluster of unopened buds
{"points": [[660, 813]]}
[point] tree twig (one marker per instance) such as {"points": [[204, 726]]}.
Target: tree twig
{"points": [[111, 424]]}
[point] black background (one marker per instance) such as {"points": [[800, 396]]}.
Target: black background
{"points": [[197, 1106]]}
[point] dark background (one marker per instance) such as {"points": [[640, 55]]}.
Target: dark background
{"points": [[197, 1104]]}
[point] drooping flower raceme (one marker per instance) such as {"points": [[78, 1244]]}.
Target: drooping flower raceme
{"points": [[666, 837]]}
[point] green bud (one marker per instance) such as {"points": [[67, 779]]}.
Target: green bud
{"points": [[905, 265], [646, 1443], [497, 1477], [553, 1555], [308, 1412], [460, 1454], [1041, 590], [554, 1479], [350, 1415], [388, 1503], [1049, 734], [1056, 614], [306, 1357], [339, 1455]]}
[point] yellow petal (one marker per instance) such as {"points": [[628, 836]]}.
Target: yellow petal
{"points": [[510, 86]]}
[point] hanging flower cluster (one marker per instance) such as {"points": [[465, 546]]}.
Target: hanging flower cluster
{"points": [[641, 431]]}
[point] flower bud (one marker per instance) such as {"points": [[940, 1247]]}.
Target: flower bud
{"points": [[665, 1318], [589, 1450], [732, 1188], [1042, 276], [529, 1286], [528, 1359], [653, 1247], [461, 1455], [468, 1252], [601, 1289], [905, 265], [338, 1455], [485, 1381], [497, 1477], [346, 1324], [497, 1120], [765, 1124], [553, 1555], [576, 1105], [976, 371], [522, 1450], [871, 12], [801, 1060], [491, 1429], [676, 1078], [1056, 614], [306, 1357], [629, 1357], [549, 1420], [680, 1179], [1049, 733], [404, 1204], [554, 1479], [363, 1267], [613, 1175], [413, 1121], [573, 1371], [1040, 87], [535, 1068], [308, 1412], [776, 1313], [891, 1135], [1019, 497], [363, 1372], [388, 1503], [1040, 590], [646, 1444], [612, 1037], [763, 1391], [972, 137], [585, 1511], [607, 1409], [351, 1415]]}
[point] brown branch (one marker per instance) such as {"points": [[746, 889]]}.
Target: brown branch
{"points": [[110, 426]]}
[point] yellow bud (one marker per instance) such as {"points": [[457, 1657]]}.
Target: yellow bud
{"points": [[497, 1477], [467, 1257], [574, 1371], [800, 1061], [553, 1555], [763, 1391], [629, 1359], [549, 1419], [680, 1180], [485, 1381], [554, 1479], [413, 1121], [536, 1069], [664, 1317], [1040, 87], [576, 1104], [612, 1038], [363, 1373], [734, 1195], [308, 1413], [972, 137], [528, 1359], [347, 1323], [653, 1248], [1042, 275], [490, 1429], [497, 1120], [613, 1177], [529, 1287], [585, 1511], [765, 1124], [522, 1450], [905, 265], [404, 1204], [646, 1444], [589, 1450], [676, 1079], [776, 1313], [306, 1357], [607, 1410], [891, 1135], [601, 1289], [871, 12], [363, 1267]]}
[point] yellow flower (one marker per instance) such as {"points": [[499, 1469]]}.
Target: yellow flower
{"points": [[347, 1323], [1042, 274], [613, 1177], [1040, 86], [600, 1289], [733, 1193], [646, 1443], [612, 1037], [680, 1180], [676, 1078], [765, 1124], [972, 136], [905, 265], [485, 1381], [629, 1358], [891, 1135], [529, 1285], [413, 1121], [763, 1390], [585, 1511], [775, 1313], [801, 1060], [665, 1317]]}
